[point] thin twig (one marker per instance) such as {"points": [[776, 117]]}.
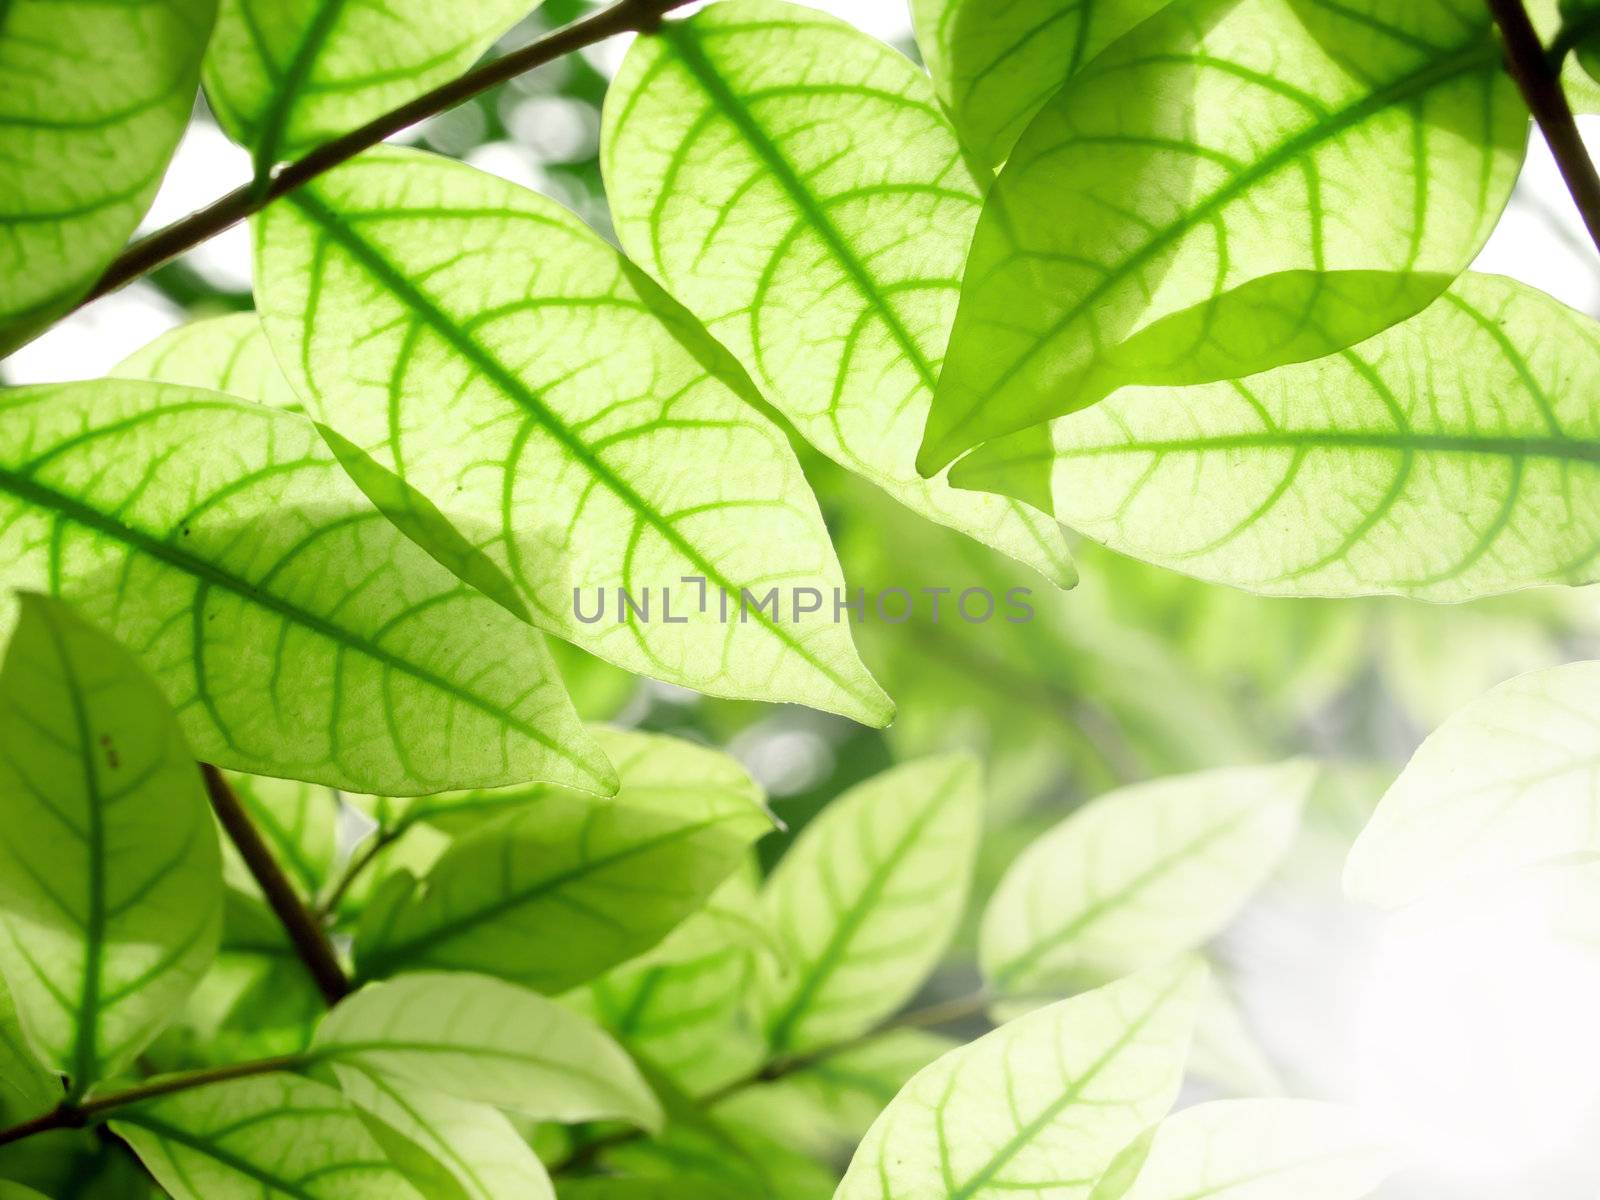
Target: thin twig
{"points": [[304, 933], [363, 858], [1539, 78], [148, 253], [76, 1116]]}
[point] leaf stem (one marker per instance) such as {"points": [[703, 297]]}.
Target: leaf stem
{"points": [[145, 255], [305, 934], [1538, 75], [380, 841], [76, 1116]]}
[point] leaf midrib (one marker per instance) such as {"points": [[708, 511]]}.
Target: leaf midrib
{"points": [[276, 120], [1559, 449]]}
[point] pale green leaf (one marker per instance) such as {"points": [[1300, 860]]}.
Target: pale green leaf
{"points": [[296, 631], [867, 899], [1236, 185], [481, 342], [300, 824], [1511, 781], [795, 183], [226, 354], [284, 75], [933, 22], [449, 1149], [480, 1039], [1256, 1150], [555, 892], [1453, 456], [1226, 1053], [110, 878], [273, 1137], [96, 96], [1041, 1105], [1008, 57], [1139, 874]]}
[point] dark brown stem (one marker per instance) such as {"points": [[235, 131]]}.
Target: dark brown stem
{"points": [[166, 244], [1538, 75], [76, 1116], [304, 933]]}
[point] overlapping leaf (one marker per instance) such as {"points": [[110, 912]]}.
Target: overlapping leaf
{"points": [[795, 183], [1453, 456], [1041, 1105], [1252, 1150], [95, 99], [269, 1136], [1236, 185], [867, 899], [480, 1039], [478, 340], [298, 821], [294, 628], [1139, 875], [283, 75], [26, 1087], [110, 879], [1511, 781], [555, 892], [226, 354]]}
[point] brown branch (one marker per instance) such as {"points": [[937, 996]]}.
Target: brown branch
{"points": [[305, 934], [1539, 78], [166, 244]]}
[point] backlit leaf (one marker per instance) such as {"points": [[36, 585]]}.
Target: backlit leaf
{"points": [[1139, 874], [284, 75], [273, 1137], [95, 98], [26, 1087], [1236, 185], [481, 342], [299, 823], [1042, 1104], [795, 183], [1511, 781], [103, 936], [296, 631], [1453, 456], [226, 354], [866, 901], [555, 892], [480, 1039]]}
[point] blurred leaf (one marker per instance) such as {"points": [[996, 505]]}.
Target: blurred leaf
{"points": [[95, 100], [553, 893], [1587, 53], [590, 442], [299, 823], [295, 630], [1226, 1053], [479, 1039], [1139, 875], [1254, 1150], [26, 1087], [866, 901], [270, 1136], [103, 937], [1507, 783], [1237, 185], [1450, 457], [1042, 1104], [794, 182], [284, 75]]}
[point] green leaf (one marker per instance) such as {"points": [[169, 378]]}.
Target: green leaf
{"points": [[481, 342], [1236, 185], [110, 879], [1042, 1104], [1583, 14], [295, 629], [1139, 875], [867, 899], [479, 1039], [284, 75], [1579, 78], [795, 183], [16, 1191], [95, 100], [1254, 1150], [1451, 457], [450, 1149], [299, 823], [273, 1137], [226, 354], [553, 893], [646, 1189], [1007, 59], [1511, 781]]}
